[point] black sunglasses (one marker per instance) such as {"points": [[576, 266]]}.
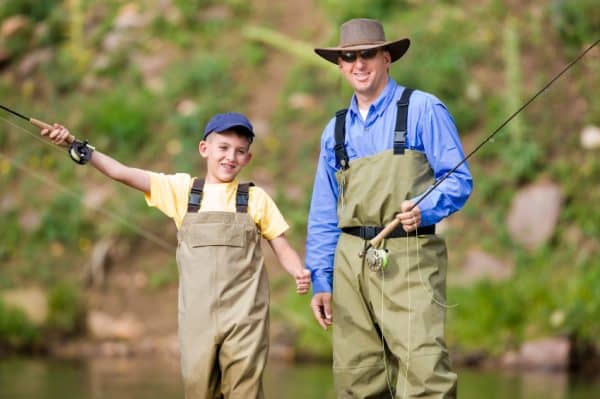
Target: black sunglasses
{"points": [[351, 56]]}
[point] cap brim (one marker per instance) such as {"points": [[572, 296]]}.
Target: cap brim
{"points": [[396, 48]]}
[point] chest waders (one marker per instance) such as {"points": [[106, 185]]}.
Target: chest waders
{"points": [[388, 330], [223, 301]]}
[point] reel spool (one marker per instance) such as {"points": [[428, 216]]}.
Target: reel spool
{"points": [[377, 259], [80, 152]]}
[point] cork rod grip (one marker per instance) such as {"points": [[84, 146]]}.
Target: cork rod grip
{"points": [[44, 125], [384, 233]]}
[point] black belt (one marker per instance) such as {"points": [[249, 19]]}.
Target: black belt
{"points": [[369, 232]]}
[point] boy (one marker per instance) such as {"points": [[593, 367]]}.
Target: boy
{"points": [[223, 286]]}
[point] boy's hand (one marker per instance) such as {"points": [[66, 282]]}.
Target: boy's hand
{"points": [[58, 135], [302, 281]]}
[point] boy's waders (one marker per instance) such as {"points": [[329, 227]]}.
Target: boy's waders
{"points": [[223, 302], [396, 308]]}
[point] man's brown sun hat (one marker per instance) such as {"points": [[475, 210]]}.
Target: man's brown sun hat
{"points": [[362, 34]]}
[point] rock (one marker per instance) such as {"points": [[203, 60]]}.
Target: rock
{"points": [[96, 267], [590, 137], [480, 265], [30, 220], [129, 17], [187, 107], [105, 327], [13, 25], [302, 101], [31, 61], [32, 301], [534, 213], [552, 353]]}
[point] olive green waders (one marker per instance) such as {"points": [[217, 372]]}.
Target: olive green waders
{"points": [[223, 303], [388, 325]]}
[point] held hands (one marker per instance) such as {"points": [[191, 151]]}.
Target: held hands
{"points": [[302, 281], [410, 219], [58, 135]]}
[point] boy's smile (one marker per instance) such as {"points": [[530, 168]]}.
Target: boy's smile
{"points": [[226, 154]]}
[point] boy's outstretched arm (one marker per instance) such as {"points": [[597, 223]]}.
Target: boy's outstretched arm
{"points": [[291, 262], [133, 177]]}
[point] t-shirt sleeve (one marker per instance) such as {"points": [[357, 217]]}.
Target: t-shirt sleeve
{"points": [[169, 194], [266, 215]]}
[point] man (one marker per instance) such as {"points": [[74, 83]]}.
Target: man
{"points": [[377, 158]]}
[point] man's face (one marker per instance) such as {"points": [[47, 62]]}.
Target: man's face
{"points": [[367, 73], [226, 154]]}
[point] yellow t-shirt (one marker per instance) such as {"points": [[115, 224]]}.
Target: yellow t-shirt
{"points": [[170, 194]]}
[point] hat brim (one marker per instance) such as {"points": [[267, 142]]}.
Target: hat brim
{"points": [[396, 49]]}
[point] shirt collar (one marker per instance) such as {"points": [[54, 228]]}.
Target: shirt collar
{"points": [[380, 105]]}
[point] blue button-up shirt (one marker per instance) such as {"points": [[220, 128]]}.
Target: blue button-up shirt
{"points": [[431, 130]]}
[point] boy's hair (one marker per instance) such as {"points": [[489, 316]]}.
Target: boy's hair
{"points": [[230, 121]]}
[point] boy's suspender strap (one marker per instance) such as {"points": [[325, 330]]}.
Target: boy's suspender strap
{"points": [[196, 195], [241, 197], [341, 155], [401, 118]]}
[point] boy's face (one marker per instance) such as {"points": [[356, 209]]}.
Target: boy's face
{"points": [[226, 154]]}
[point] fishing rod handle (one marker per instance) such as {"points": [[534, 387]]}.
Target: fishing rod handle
{"points": [[44, 125], [385, 232]]}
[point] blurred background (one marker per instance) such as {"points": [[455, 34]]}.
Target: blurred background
{"points": [[88, 279]]}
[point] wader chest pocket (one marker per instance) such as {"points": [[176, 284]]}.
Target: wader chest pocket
{"points": [[217, 234]]}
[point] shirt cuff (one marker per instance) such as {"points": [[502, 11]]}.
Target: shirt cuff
{"points": [[428, 217], [321, 285]]}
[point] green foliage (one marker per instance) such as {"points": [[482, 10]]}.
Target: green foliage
{"points": [[35, 9], [123, 118], [16, 331], [163, 277], [577, 22], [65, 309], [342, 10], [62, 220], [31, 13], [546, 297]]}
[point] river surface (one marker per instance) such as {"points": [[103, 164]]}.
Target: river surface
{"points": [[151, 378]]}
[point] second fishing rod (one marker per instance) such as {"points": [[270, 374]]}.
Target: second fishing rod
{"points": [[378, 258]]}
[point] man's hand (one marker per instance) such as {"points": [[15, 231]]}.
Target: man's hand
{"points": [[321, 307], [302, 281], [410, 219]]}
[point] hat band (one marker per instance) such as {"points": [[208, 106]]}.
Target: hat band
{"points": [[378, 43]]}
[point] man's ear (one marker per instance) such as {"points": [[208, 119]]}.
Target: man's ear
{"points": [[387, 57]]}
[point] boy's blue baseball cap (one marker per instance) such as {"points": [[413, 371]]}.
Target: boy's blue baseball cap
{"points": [[229, 121]]}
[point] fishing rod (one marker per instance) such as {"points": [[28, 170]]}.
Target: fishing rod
{"points": [[378, 258], [79, 151]]}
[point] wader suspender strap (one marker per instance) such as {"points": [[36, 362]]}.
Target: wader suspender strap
{"points": [[401, 118], [195, 195], [341, 155], [241, 197]]}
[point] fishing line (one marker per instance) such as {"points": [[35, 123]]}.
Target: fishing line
{"points": [[111, 215], [372, 244]]}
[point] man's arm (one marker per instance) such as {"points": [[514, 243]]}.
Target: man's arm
{"points": [[442, 146], [133, 177], [322, 238]]}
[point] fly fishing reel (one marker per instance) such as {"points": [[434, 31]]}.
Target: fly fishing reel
{"points": [[377, 259], [80, 151]]}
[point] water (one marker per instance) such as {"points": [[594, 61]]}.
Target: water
{"points": [[150, 378]]}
